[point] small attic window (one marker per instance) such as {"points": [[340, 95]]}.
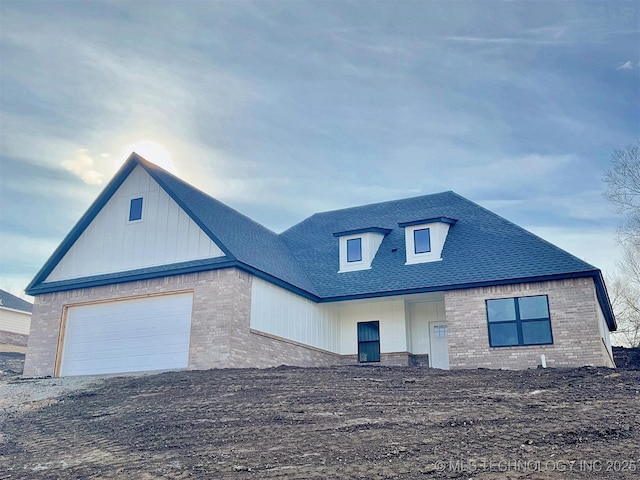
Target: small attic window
{"points": [[354, 250], [357, 248], [135, 209], [422, 240]]}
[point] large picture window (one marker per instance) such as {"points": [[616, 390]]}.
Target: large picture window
{"points": [[519, 321], [369, 341]]}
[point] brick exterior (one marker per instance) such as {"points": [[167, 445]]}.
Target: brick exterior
{"points": [[395, 359], [574, 324], [220, 335]]}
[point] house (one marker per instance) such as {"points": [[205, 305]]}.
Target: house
{"points": [[158, 275], [15, 321]]}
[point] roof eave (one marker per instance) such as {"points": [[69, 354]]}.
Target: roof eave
{"points": [[131, 276], [601, 292], [380, 230]]}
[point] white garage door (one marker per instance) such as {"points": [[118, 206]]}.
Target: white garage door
{"points": [[128, 336]]}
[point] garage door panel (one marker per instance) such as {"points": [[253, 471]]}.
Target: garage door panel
{"points": [[130, 335], [112, 330], [139, 344]]}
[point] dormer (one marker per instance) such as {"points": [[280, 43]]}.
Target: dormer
{"points": [[358, 247], [424, 239]]}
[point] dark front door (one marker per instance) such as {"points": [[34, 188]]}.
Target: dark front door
{"points": [[369, 341]]}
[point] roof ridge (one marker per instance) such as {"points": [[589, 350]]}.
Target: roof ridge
{"points": [[367, 205], [157, 171], [153, 166]]}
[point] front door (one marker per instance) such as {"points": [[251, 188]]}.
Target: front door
{"points": [[438, 334], [368, 342]]}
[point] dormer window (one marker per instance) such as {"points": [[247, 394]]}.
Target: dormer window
{"points": [[424, 239], [354, 250], [358, 247]]}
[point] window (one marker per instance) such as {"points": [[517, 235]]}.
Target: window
{"points": [[354, 250], [519, 321], [440, 331], [135, 209], [422, 240], [369, 342]]}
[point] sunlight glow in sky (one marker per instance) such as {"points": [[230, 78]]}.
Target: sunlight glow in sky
{"points": [[154, 153]]}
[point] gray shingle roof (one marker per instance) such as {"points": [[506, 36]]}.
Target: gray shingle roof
{"points": [[481, 248], [7, 300], [244, 239]]}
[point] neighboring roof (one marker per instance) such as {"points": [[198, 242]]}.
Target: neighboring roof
{"points": [[12, 302], [481, 248]]}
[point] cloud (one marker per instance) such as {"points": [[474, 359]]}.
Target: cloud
{"points": [[626, 66], [82, 167]]}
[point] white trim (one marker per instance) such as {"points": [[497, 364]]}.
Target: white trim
{"points": [[370, 242], [143, 213], [438, 234]]}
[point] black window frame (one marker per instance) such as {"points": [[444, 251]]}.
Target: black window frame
{"points": [[518, 322], [368, 342], [415, 244], [359, 239], [139, 212]]}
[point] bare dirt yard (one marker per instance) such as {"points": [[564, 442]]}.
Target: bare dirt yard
{"points": [[322, 423]]}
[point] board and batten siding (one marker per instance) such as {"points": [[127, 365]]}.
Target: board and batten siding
{"points": [[389, 312], [281, 313], [165, 235], [420, 315]]}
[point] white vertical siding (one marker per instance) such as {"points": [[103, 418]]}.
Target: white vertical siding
{"points": [[389, 312], [165, 235], [438, 234], [279, 312], [370, 244], [15, 321]]}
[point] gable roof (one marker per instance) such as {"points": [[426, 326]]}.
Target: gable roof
{"points": [[481, 248], [7, 300], [244, 242]]}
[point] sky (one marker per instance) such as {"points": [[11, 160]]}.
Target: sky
{"points": [[283, 108]]}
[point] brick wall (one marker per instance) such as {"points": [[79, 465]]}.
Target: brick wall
{"points": [[220, 335], [395, 359], [574, 324]]}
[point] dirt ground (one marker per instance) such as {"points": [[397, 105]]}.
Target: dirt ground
{"points": [[323, 423]]}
